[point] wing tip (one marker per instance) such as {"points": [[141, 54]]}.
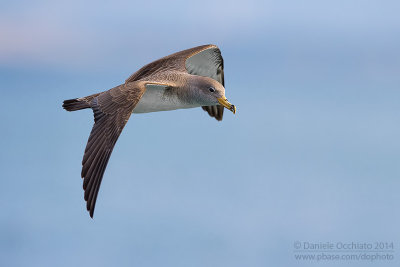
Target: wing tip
{"points": [[216, 112], [89, 208]]}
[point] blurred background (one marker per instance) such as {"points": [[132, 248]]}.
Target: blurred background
{"points": [[312, 155]]}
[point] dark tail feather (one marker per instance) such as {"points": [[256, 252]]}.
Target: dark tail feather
{"points": [[75, 104], [79, 103]]}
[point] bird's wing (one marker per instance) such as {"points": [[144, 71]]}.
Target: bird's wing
{"points": [[216, 111], [205, 60], [112, 110]]}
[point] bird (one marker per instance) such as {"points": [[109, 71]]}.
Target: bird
{"points": [[187, 79]]}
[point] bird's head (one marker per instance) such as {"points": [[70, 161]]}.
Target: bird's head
{"points": [[209, 92]]}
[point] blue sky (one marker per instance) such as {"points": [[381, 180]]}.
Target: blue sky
{"points": [[312, 154]]}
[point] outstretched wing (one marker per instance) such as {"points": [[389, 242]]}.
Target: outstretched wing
{"points": [[112, 110], [205, 60]]}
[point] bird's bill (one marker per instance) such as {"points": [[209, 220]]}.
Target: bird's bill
{"points": [[224, 102]]}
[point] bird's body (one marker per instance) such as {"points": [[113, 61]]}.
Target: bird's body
{"points": [[156, 98], [187, 79]]}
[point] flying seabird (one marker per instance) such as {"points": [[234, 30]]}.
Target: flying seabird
{"points": [[187, 79]]}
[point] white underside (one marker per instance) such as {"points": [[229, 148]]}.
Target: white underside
{"points": [[154, 100]]}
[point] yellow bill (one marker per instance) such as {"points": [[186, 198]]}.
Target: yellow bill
{"points": [[224, 102]]}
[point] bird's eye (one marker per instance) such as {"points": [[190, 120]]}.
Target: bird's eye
{"points": [[211, 89]]}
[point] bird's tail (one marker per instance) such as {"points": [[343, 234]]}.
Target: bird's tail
{"points": [[78, 103]]}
